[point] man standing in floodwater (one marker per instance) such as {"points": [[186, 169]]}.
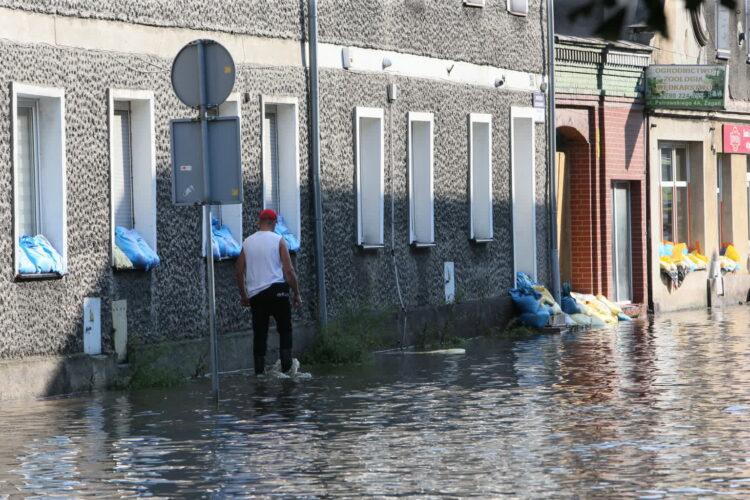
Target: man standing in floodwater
{"points": [[264, 276]]}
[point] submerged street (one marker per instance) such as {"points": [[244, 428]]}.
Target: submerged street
{"points": [[650, 410]]}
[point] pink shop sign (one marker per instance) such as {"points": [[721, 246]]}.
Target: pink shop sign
{"points": [[736, 139]]}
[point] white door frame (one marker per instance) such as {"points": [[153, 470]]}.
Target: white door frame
{"points": [[523, 113]]}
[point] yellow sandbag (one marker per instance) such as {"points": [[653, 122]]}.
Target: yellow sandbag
{"points": [[731, 252], [667, 264], [699, 264], [548, 299], [616, 309], [678, 251], [595, 308], [696, 253], [121, 260]]}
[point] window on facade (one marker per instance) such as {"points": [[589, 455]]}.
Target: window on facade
{"points": [[480, 177], [369, 176], [723, 21], [421, 226], [674, 193], [518, 6], [133, 163], [747, 29], [747, 189], [39, 175], [281, 185]]}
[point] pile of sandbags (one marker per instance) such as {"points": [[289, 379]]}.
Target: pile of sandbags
{"points": [[535, 305], [533, 302], [224, 246]]}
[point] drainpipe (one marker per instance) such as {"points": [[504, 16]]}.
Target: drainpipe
{"points": [[552, 150], [315, 150]]}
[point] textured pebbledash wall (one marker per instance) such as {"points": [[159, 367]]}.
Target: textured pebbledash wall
{"points": [[169, 303], [439, 28]]}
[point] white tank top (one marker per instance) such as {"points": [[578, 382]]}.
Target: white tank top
{"points": [[262, 261]]}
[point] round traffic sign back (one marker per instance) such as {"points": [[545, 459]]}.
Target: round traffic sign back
{"points": [[218, 73]]}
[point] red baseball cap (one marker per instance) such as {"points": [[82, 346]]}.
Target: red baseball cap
{"points": [[268, 214]]}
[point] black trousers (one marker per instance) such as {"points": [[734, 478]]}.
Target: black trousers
{"points": [[273, 301]]}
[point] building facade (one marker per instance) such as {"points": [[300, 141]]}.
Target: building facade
{"points": [[698, 175], [601, 167], [443, 178]]}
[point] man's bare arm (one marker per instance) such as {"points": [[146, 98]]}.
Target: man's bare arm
{"points": [[239, 271], [289, 274]]}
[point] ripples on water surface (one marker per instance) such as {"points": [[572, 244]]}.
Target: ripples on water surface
{"points": [[656, 410]]}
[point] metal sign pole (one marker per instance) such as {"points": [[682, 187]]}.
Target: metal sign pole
{"points": [[207, 215]]}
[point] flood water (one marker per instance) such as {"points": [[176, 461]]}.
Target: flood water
{"points": [[655, 409]]}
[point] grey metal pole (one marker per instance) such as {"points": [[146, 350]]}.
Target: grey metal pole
{"points": [[315, 149], [552, 150], [207, 216]]}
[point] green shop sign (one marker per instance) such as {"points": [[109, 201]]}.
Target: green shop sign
{"points": [[686, 86]]}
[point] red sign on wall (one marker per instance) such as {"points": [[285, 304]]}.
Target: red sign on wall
{"points": [[736, 139]]}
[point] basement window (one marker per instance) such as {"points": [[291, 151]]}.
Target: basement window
{"points": [[480, 177], [369, 176], [421, 197]]}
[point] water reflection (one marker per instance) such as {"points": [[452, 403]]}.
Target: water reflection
{"points": [[654, 410]]}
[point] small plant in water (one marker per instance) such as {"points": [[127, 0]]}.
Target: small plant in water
{"points": [[350, 339], [149, 369]]}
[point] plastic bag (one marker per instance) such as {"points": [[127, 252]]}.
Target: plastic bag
{"points": [[40, 259], [121, 260], [58, 266], [135, 248], [569, 305], [291, 240], [224, 241], [526, 300], [538, 319]]}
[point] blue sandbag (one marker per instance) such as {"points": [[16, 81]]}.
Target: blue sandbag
{"points": [[25, 266], [58, 266], [569, 305], [524, 280], [37, 255], [135, 248], [291, 240], [538, 319], [623, 317], [224, 241], [526, 300], [233, 248]]}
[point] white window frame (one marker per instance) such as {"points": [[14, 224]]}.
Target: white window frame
{"points": [[143, 161], [723, 40], [228, 215], [51, 165], [362, 113], [523, 12], [674, 184], [475, 234], [747, 31], [287, 126], [420, 223]]}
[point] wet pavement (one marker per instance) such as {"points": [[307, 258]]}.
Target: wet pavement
{"points": [[655, 409]]}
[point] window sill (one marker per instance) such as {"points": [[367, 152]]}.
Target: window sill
{"points": [[39, 277], [127, 270], [422, 244], [723, 54], [482, 241], [365, 246]]}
